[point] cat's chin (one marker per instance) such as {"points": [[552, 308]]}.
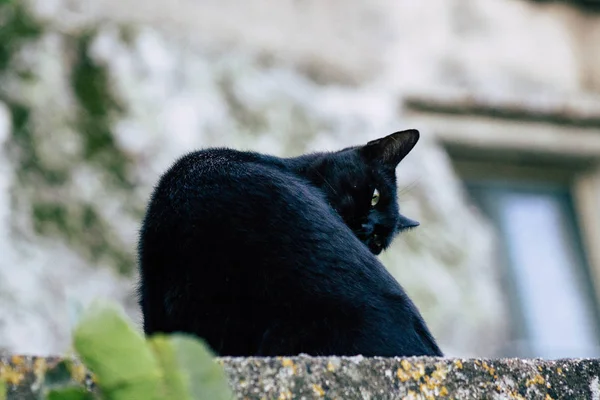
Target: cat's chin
{"points": [[374, 247]]}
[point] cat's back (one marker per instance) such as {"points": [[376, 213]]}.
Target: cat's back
{"points": [[224, 207], [213, 180], [210, 166]]}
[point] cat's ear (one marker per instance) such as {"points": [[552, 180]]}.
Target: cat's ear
{"points": [[391, 149]]}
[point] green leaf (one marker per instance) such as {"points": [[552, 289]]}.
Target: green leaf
{"points": [[2, 390], [70, 393], [189, 370], [123, 364], [205, 377], [175, 384]]}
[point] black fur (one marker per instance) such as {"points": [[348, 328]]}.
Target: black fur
{"points": [[266, 256]]}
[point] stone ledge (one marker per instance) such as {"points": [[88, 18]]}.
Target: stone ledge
{"points": [[578, 111], [373, 378]]}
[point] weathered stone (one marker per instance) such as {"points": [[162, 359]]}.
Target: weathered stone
{"points": [[369, 378]]}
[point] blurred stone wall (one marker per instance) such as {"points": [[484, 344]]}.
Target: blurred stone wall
{"points": [[98, 98]]}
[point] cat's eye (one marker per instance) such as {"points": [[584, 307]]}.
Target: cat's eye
{"points": [[375, 198]]}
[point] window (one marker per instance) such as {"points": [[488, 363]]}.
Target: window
{"points": [[545, 269]]}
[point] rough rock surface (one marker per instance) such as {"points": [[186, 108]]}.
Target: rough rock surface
{"points": [[371, 378]]}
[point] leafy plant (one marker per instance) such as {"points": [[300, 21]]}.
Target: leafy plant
{"points": [[127, 366]]}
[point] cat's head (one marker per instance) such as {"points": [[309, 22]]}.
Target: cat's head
{"points": [[360, 184]]}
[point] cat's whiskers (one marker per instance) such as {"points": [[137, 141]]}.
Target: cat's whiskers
{"points": [[408, 188]]}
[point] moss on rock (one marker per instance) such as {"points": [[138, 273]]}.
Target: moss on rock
{"points": [[98, 107], [369, 378], [46, 188]]}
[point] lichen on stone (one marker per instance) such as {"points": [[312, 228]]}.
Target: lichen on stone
{"points": [[352, 378]]}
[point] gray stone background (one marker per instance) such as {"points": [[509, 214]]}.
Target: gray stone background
{"points": [[98, 98]]}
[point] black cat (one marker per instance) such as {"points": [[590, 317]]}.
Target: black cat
{"points": [[267, 256]]}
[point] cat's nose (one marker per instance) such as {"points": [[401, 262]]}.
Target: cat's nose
{"points": [[367, 229]]}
